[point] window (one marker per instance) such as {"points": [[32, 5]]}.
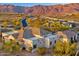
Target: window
{"points": [[75, 39], [71, 40], [78, 34], [34, 46], [40, 42], [23, 48], [50, 43], [55, 41]]}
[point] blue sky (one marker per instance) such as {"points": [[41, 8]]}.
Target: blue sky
{"points": [[29, 4]]}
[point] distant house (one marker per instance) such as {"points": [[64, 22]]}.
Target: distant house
{"points": [[72, 35], [9, 35], [70, 24], [3, 30], [68, 35]]}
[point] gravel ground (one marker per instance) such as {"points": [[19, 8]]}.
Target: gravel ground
{"points": [[23, 53]]}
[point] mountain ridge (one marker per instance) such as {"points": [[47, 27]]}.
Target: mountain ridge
{"points": [[52, 10]]}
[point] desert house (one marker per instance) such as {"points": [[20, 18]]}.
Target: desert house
{"points": [[39, 38], [6, 36], [68, 35]]}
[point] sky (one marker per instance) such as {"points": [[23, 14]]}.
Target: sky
{"points": [[29, 4]]}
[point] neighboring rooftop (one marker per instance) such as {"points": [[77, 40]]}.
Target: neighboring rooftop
{"points": [[5, 30], [69, 33], [28, 33]]}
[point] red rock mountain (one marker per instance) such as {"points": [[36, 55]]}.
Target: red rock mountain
{"points": [[41, 10]]}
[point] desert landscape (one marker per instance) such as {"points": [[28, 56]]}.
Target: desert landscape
{"points": [[39, 30]]}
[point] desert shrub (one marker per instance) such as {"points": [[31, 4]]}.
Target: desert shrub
{"points": [[65, 28], [7, 46], [41, 50], [11, 46], [64, 48], [30, 49]]}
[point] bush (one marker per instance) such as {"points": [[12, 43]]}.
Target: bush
{"points": [[41, 50], [30, 49], [11, 46], [62, 48]]}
